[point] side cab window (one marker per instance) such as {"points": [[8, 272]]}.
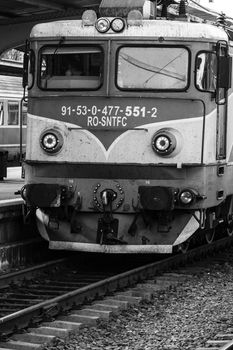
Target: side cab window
{"points": [[28, 67], [206, 71], [224, 71], [213, 71]]}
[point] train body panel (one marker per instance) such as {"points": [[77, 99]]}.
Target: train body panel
{"points": [[11, 94], [165, 29], [131, 149], [109, 146]]}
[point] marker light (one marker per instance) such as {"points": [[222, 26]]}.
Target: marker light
{"points": [[163, 142], [102, 25], [186, 196], [134, 18], [118, 24], [89, 18], [51, 141]]}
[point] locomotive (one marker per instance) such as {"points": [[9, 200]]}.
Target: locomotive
{"points": [[130, 133]]}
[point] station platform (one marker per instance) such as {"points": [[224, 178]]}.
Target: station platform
{"points": [[11, 184]]}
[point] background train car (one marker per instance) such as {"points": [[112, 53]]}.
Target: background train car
{"points": [[130, 130], [11, 93]]}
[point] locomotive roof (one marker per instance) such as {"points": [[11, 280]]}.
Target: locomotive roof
{"points": [[150, 28]]}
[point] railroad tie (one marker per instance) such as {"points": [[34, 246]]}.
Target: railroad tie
{"points": [[92, 312], [72, 326], [102, 305], [55, 331], [217, 342], [19, 345], [208, 348], [87, 320]]}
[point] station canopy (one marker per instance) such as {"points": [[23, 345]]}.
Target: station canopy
{"points": [[22, 11], [17, 17]]}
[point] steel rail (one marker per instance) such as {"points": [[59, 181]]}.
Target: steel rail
{"points": [[50, 308], [28, 272], [228, 346]]}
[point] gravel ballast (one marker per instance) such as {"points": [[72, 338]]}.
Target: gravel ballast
{"points": [[178, 319]]}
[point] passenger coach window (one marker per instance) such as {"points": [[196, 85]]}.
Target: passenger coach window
{"points": [[1, 113], [206, 71], [71, 68], [146, 68], [13, 112], [24, 113]]}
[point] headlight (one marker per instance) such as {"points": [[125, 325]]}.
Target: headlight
{"points": [[186, 196], [163, 142], [51, 141], [102, 25], [89, 18], [117, 25]]}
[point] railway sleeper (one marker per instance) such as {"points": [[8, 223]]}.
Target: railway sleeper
{"points": [[54, 331], [20, 345], [208, 348], [34, 338], [224, 343], [146, 294], [217, 342], [129, 298], [114, 309], [223, 340], [87, 320], [228, 336], [76, 320], [91, 314], [67, 325]]}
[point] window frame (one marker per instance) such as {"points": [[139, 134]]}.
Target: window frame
{"points": [[75, 45], [195, 70], [154, 46], [8, 114], [2, 120], [23, 111], [31, 68]]}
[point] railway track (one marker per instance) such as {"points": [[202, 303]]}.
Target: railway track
{"points": [[79, 297], [223, 342]]}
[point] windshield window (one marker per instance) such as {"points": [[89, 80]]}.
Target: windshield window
{"points": [[71, 68], [160, 68]]}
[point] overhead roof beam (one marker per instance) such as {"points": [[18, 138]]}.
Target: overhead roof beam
{"points": [[86, 3], [8, 14], [44, 3], [50, 16]]}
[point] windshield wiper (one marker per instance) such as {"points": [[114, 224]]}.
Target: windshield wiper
{"points": [[61, 41], [155, 70], [162, 69]]}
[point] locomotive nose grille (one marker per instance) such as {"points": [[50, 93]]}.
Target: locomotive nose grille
{"points": [[43, 195]]}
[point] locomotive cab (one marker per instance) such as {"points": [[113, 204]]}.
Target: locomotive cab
{"points": [[129, 141]]}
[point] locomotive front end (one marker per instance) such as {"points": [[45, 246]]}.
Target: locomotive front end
{"points": [[121, 143]]}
